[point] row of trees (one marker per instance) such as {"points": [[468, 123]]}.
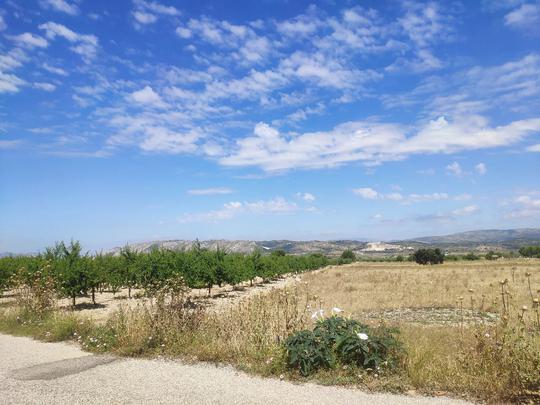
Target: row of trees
{"points": [[76, 274]]}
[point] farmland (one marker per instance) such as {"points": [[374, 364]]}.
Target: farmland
{"points": [[467, 328]]}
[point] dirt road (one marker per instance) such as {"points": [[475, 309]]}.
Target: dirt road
{"points": [[33, 372]]}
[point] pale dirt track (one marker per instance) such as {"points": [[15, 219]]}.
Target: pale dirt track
{"points": [[33, 372]]}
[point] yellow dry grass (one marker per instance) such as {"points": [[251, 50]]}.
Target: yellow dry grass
{"points": [[495, 362], [361, 287]]}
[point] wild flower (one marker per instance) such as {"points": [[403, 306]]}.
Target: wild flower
{"points": [[362, 336], [336, 310], [317, 315]]}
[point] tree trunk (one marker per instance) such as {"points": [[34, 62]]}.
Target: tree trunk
{"points": [[93, 295], [209, 289], [129, 292], [73, 300]]}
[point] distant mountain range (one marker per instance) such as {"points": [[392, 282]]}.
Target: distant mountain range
{"points": [[482, 240], [502, 237]]}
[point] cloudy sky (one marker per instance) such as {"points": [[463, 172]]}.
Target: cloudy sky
{"points": [[135, 120]]}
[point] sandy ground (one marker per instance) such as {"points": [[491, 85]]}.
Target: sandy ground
{"points": [[33, 372], [107, 302]]}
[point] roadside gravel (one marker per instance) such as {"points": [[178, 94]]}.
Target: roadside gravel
{"points": [[33, 372]]}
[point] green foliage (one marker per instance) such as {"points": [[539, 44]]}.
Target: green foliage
{"points": [[309, 351], [428, 256], [75, 274], [347, 256], [471, 256], [337, 340], [530, 251]]}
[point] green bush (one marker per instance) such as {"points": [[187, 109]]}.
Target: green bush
{"points": [[309, 351], [428, 256], [337, 340], [530, 251]]}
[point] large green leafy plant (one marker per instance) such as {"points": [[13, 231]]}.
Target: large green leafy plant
{"points": [[338, 340]]}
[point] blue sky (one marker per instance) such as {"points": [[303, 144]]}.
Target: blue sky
{"points": [[134, 120]]}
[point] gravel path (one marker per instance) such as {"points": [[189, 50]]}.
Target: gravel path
{"points": [[33, 372]]}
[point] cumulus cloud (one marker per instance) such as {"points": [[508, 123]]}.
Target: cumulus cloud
{"points": [[454, 169], [60, 5], [147, 96], [9, 144], [526, 207], [481, 169], [448, 216], [210, 191], [233, 209], [372, 143], [44, 86], [366, 193], [10, 83], [29, 40], [526, 16], [306, 196], [161, 139], [534, 148], [84, 45], [369, 193], [54, 69]]}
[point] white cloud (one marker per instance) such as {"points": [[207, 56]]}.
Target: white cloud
{"points": [[306, 196], [147, 96], [144, 18], [210, 191], [468, 210], [527, 207], [84, 45], [525, 16], [427, 197], [462, 197], [9, 144], [534, 148], [481, 169], [30, 40], [55, 70], [233, 209], [161, 139], [157, 8], [61, 5], [45, 86], [10, 83], [183, 32], [3, 24], [372, 143], [366, 193], [454, 169]]}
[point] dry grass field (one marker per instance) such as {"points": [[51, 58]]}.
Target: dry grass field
{"points": [[452, 346], [364, 287], [460, 338]]}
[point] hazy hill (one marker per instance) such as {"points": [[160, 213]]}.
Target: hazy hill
{"points": [[481, 240], [509, 238]]}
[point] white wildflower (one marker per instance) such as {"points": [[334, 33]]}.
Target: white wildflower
{"points": [[362, 336], [336, 310]]}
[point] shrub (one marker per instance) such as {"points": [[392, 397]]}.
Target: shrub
{"points": [[471, 256], [347, 257], [344, 341], [530, 251], [309, 351], [428, 256]]}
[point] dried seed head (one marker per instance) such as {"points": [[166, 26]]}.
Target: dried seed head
{"points": [[524, 308], [471, 290]]}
